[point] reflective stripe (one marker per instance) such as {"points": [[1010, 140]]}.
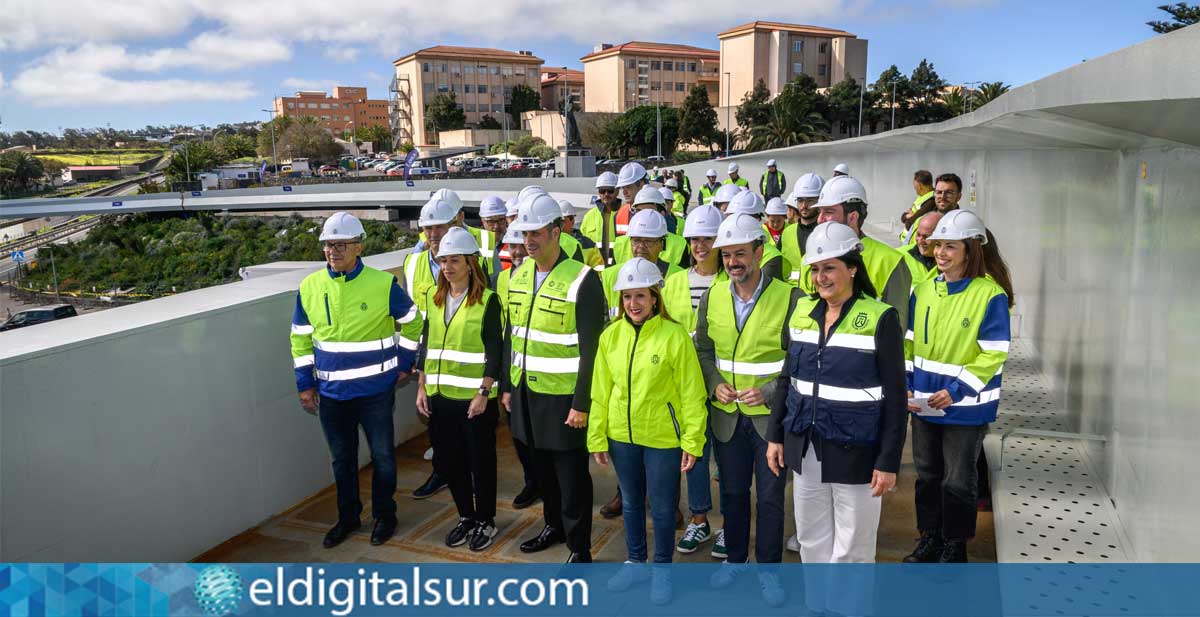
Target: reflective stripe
{"points": [[993, 345], [546, 365], [302, 361], [410, 273], [908, 366], [971, 380], [794, 276], [351, 347], [573, 290], [908, 336], [834, 393], [622, 228], [358, 373], [985, 397], [456, 356], [852, 341], [804, 336], [408, 343], [302, 330], [545, 337], [409, 316], [757, 369], [455, 381], [949, 370]]}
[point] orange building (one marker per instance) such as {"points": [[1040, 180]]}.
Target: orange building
{"points": [[348, 108], [559, 82]]}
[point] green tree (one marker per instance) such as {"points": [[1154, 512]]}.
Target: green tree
{"points": [[698, 119], [523, 99], [843, 102], [640, 127], [1182, 16], [543, 152], [755, 108], [490, 123], [800, 97], [311, 141], [280, 124], [502, 147], [988, 91], [525, 144], [927, 85], [193, 158], [445, 114], [235, 146], [19, 171], [377, 135], [404, 147], [893, 82], [955, 100], [786, 129], [52, 169]]}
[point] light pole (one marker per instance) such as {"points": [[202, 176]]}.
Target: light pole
{"points": [[657, 129], [894, 103], [968, 98], [728, 127], [274, 156], [861, 88]]}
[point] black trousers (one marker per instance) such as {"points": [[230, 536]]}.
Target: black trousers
{"points": [[525, 455], [946, 457], [464, 454], [566, 494]]}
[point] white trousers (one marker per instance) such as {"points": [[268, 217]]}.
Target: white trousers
{"points": [[835, 523]]}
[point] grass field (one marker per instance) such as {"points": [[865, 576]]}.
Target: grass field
{"points": [[131, 158]]}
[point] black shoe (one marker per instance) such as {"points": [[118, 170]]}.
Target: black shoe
{"points": [[340, 532], [580, 558], [612, 509], [458, 535], [385, 528], [929, 549], [955, 551], [544, 540], [481, 536], [527, 497], [431, 487]]}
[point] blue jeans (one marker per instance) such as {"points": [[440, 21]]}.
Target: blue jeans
{"points": [[340, 421], [642, 470], [742, 460], [699, 480]]}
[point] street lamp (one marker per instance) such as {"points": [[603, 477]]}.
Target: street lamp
{"points": [[861, 88], [968, 99], [728, 127], [274, 155]]}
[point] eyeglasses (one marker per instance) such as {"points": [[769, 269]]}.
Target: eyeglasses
{"points": [[607, 191], [945, 192], [644, 242], [338, 247]]}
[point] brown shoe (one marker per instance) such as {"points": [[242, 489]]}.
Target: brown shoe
{"points": [[612, 509]]}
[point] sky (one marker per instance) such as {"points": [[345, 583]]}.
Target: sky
{"points": [[132, 63]]}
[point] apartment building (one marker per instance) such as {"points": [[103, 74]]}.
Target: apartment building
{"points": [[346, 110], [558, 83], [481, 79], [777, 52], [620, 77]]}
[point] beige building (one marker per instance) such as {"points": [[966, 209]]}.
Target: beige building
{"points": [[620, 77], [558, 83], [481, 79], [776, 53], [345, 111]]}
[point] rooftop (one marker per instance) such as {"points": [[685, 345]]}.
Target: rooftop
{"points": [[561, 73], [643, 47], [768, 26], [478, 53], [94, 167]]}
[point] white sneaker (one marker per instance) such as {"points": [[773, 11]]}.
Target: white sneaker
{"points": [[630, 574], [718, 550], [660, 585], [772, 590], [793, 544], [727, 573], [429, 454]]}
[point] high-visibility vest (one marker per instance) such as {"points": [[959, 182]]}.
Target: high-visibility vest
{"points": [[881, 260], [674, 248], [593, 226], [740, 182], [608, 278], [545, 341], [707, 193], [418, 279], [919, 271], [454, 356], [789, 246], [622, 219], [679, 204], [836, 389], [769, 253], [752, 356], [958, 341], [571, 247], [781, 185], [677, 295]]}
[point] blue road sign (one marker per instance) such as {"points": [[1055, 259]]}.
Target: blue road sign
{"points": [[287, 189], [116, 204], [410, 183], [195, 193], [18, 256]]}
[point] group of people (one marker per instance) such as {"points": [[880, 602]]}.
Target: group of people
{"points": [[764, 331]]}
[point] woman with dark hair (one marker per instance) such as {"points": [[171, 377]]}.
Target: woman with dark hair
{"points": [[957, 343], [839, 421], [459, 365]]}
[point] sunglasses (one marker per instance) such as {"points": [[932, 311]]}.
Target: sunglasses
{"points": [[607, 191]]}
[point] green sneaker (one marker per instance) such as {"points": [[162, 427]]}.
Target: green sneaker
{"points": [[696, 534], [719, 551]]}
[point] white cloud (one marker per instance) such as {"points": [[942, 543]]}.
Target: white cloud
{"points": [[48, 23], [300, 83], [339, 53]]}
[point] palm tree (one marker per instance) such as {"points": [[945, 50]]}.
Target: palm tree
{"points": [[989, 91], [955, 100], [784, 130], [19, 170]]}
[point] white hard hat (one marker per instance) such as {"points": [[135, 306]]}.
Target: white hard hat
{"points": [[637, 273], [746, 202], [513, 236], [733, 167], [341, 226], [450, 197], [607, 178], [771, 163], [726, 193], [829, 240], [671, 183], [648, 195], [960, 225], [702, 222], [569, 209], [530, 191], [842, 168], [646, 224], [630, 173], [537, 213], [840, 190], [511, 205], [776, 207], [492, 206], [458, 241], [809, 185], [738, 229], [667, 194], [712, 173], [436, 212]]}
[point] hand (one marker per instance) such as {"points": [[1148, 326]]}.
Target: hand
{"points": [[688, 461], [881, 481], [751, 397], [941, 400], [912, 406], [601, 458], [423, 403], [477, 407], [726, 394], [775, 460], [308, 400], [402, 379], [576, 419], [506, 400]]}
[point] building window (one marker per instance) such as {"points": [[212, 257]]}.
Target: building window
{"points": [[823, 48], [497, 108], [655, 65], [345, 118], [631, 64], [656, 86], [691, 67], [428, 88], [471, 107], [424, 67], [443, 88], [821, 70], [680, 66], [440, 67], [797, 47], [495, 70], [507, 91], [520, 71], [643, 80], [335, 105], [325, 118], [454, 88], [468, 88], [630, 86], [668, 86], [469, 69], [506, 71], [679, 86], [291, 105], [483, 88], [797, 67], [454, 69]]}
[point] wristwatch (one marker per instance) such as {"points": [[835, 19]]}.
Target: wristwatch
{"points": [[484, 390]]}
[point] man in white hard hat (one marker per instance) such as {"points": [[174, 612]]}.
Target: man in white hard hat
{"points": [[734, 178], [844, 200], [675, 251], [556, 311], [709, 189], [486, 239], [773, 263], [841, 169], [724, 195], [493, 215], [741, 340], [802, 219], [599, 223], [772, 183], [678, 202], [341, 312], [631, 179]]}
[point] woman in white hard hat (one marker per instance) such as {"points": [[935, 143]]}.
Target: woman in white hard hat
{"points": [[724, 195], [460, 365], [840, 428], [648, 417], [776, 219], [957, 343]]}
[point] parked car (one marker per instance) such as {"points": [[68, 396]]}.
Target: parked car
{"points": [[483, 169], [656, 160], [330, 170], [38, 315]]}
